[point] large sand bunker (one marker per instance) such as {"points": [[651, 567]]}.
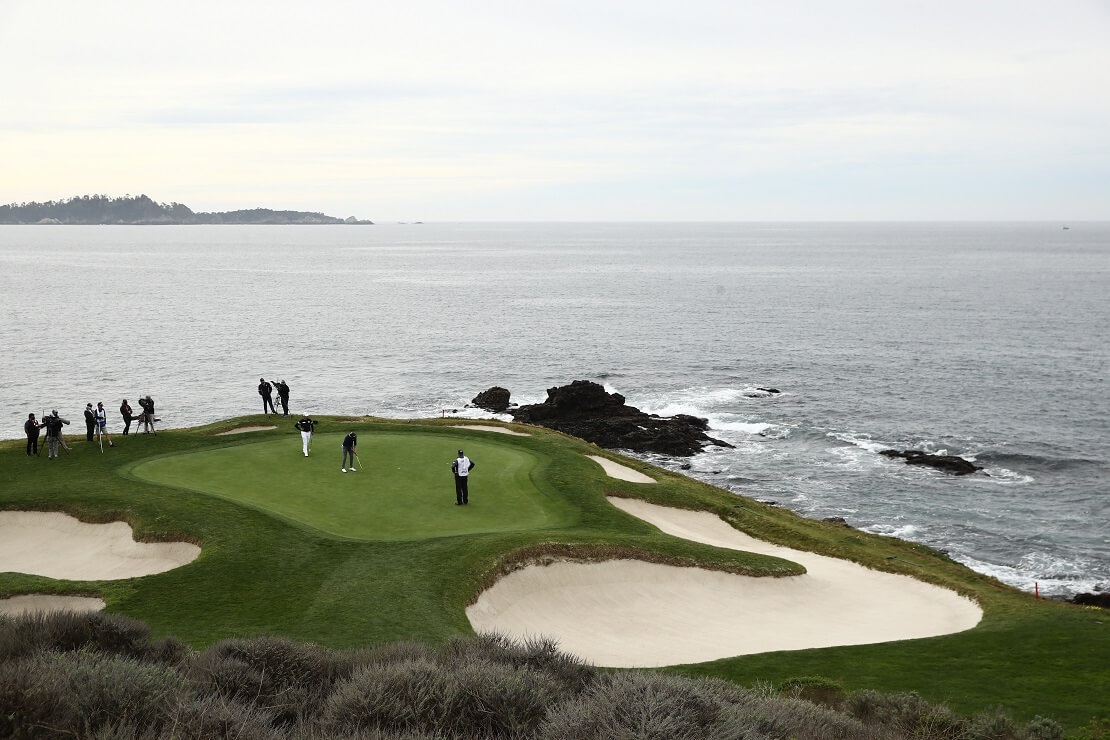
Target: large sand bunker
{"points": [[629, 613], [59, 546], [621, 472]]}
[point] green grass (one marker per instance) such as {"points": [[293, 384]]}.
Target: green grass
{"points": [[293, 547], [400, 495]]}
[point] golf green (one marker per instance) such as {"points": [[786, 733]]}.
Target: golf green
{"points": [[405, 491]]}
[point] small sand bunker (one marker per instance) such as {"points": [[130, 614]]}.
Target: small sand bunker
{"points": [[628, 613], [622, 472], [36, 603], [59, 546], [499, 430], [243, 430]]}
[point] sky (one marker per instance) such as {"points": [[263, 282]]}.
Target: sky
{"points": [[599, 110]]}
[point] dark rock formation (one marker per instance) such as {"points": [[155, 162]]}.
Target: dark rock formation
{"points": [[949, 463], [839, 520], [584, 409], [1097, 599], [496, 399]]}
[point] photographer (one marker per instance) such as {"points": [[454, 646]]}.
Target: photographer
{"points": [[267, 392], [147, 417], [125, 412], [53, 424], [283, 396]]}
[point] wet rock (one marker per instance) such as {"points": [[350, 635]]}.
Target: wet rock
{"points": [[949, 463], [496, 399], [584, 409]]}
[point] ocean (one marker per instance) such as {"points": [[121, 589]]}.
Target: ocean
{"points": [[985, 340]]}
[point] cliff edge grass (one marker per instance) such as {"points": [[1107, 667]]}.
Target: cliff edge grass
{"points": [[400, 562]]}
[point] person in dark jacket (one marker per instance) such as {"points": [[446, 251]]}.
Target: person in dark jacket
{"points": [[461, 467], [125, 412], [306, 426], [31, 427], [90, 422], [350, 449], [147, 417], [53, 424], [283, 396], [267, 392]]}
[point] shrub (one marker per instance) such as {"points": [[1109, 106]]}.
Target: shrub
{"points": [[395, 696], [289, 680], [109, 633], [76, 693], [816, 689]]}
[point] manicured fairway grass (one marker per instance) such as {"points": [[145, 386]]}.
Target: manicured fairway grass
{"points": [[291, 546], [405, 491]]}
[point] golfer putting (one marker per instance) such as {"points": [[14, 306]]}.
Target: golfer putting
{"points": [[461, 467], [350, 450]]}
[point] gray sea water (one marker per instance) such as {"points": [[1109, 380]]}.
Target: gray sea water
{"points": [[983, 340]]}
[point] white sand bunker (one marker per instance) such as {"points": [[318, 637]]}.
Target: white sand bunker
{"points": [[630, 613], [622, 472], [486, 428], [59, 546], [243, 430], [35, 603]]}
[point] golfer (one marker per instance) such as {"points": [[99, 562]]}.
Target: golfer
{"points": [[306, 426], [350, 449], [102, 423], [461, 467]]}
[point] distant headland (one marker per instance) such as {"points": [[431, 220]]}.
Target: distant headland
{"points": [[141, 210]]}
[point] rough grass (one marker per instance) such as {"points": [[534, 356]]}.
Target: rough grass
{"points": [[262, 573], [483, 687]]}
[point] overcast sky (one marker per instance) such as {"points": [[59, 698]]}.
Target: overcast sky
{"points": [[567, 110]]}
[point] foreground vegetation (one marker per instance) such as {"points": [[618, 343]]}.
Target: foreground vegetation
{"points": [[401, 563], [103, 676]]}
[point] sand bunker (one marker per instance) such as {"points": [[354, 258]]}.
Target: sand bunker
{"points": [[501, 430], [623, 472], [630, 613], [242, 430], [36, 603], [59, 546]]}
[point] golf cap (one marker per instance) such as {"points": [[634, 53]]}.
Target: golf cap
{"points": [[88, 405], [460, 452]]}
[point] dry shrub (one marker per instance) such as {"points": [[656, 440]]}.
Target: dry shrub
{"points": [[109, 633]]}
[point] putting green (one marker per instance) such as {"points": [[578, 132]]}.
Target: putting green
{"points": [[406, 491]]}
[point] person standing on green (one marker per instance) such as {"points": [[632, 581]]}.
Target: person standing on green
{"points": [[461, 467], [350, 449], [306, 426]]}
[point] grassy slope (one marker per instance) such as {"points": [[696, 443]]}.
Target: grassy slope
{"points": [[399, 561]]}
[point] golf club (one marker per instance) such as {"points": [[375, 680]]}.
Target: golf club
{"points": [[359, 462]]}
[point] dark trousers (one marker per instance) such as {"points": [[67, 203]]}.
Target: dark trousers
{"points": [[268, 402], [126, 424], [462, 495], [284, 401], [33, 445], [89, 425]]}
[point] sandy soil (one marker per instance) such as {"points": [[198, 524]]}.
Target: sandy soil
{"points": [[57, 545], [243, 430], [485, 428], [623, 472], [634, 614], [35, 603]]}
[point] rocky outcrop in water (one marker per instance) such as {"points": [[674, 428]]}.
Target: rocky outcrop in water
{"points": [[585, 410], [496, 399], [948, 463], [1096, 599]]}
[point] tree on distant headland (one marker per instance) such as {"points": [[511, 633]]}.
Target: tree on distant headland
{"points": [[142, 210]]}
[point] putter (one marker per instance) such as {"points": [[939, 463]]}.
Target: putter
{"points": [[359, 462]]}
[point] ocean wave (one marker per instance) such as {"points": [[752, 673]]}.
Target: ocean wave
{"points": [[1041, 463], [1050, 575]]}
